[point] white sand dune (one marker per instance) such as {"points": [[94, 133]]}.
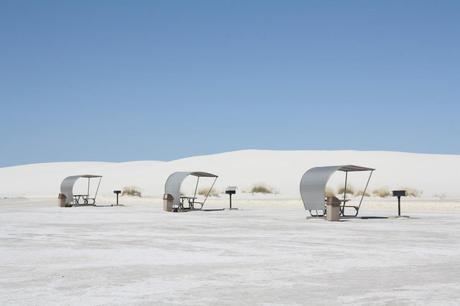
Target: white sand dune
{"points": [[282, 170]]}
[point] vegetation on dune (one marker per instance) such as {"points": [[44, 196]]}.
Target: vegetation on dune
{"points": [[440, 196], [382, 192], [205, 190], [260, 188], [350, 190], [131, 191], [329, 192], [412, 192], [361, 192]]}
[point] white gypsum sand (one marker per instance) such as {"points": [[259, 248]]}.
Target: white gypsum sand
{"points": [[265, 253]]}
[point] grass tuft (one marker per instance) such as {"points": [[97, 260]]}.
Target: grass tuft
{"points": [[412, 192], [350, 190], [132, 191], [259, 188], [361, 192], [329, 192], [382, 192], [204, 191]]}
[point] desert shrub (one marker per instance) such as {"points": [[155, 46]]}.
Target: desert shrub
{"points": [[412, 192], [440, 196], [350, 190], [261, 189], [329, 192], [382, 192], [361, 192], [204, 191], [131, 191]]}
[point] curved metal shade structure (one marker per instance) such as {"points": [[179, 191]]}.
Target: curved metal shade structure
{"points": [[174, 183], [314, 181], [68, 183]]}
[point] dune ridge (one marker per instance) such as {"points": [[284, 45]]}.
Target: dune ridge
{"points": [[433, 174]]}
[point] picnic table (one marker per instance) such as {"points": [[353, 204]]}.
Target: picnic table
{"points": [[343, 205], [80, 199], [189, 200], [83, 199]]}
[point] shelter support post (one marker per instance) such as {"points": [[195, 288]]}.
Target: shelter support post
{"points": [[345, 193], [209, 191], [196, 189], [365, 189], [97, 189], [87, 193]]}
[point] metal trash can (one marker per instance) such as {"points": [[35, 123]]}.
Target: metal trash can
{"points": [[168, 201], [333, 209], [62, 200]]}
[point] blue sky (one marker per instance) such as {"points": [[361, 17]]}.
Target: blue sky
{"points": [[141, 80]]}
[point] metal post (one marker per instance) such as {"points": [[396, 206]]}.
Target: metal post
{"points": [[365, 189], [209, 191], [196, 188], [117, 198], [97, 189], [345, 193], [230, 200], [399, 206]]}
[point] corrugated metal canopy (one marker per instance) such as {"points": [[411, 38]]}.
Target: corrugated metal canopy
{"points": [[203, 174], [314, 181], [352, 168]]}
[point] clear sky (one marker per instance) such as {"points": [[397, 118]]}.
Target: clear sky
{"points": [[160, 80]]}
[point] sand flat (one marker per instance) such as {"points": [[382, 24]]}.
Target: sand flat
{"points": [[266, 253]]}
